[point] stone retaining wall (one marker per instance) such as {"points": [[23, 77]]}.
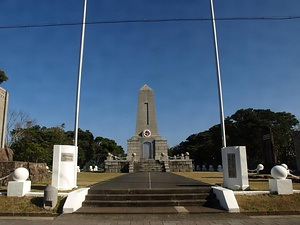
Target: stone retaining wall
{"points": [[116, 166], [181, 165]]}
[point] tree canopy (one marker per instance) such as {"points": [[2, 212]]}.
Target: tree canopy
{"points": [[35, 144], [244, 128], [3, 77]]}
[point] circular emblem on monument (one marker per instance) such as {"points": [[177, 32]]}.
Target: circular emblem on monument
{"points": [[146, 133]]}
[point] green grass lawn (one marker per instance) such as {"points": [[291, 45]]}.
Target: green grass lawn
{"points": [[216, 178]]}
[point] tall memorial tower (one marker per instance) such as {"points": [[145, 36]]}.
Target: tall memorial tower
{"points": [[146, 143]]}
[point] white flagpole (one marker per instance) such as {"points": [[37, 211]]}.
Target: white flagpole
{"points": [[218, 75], [79, 73]]}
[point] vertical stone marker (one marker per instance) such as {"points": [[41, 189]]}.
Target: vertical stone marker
{"points": [[146, 143], [235, 169], [64, 174]]}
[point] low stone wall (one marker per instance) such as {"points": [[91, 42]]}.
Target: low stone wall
{"points": [[37, 171], [6, 155], [181, 165], [116, 166]]}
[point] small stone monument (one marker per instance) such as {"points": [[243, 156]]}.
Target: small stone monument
{"points": [[187, 155], [182, 156], [220, 169], [280, 184], [50, 197], [204, 168], [235, 170], [64, 175], [20, 186]]}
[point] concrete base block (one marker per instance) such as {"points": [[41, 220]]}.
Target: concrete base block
{"points": [[227, 199], [18, 188], [74, 200], [281, 186]]}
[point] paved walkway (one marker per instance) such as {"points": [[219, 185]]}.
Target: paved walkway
{"points": [[149, 180], [190, 219]]}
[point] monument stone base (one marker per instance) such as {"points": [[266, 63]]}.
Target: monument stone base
{"points": [[18, 188], [281, 186]]}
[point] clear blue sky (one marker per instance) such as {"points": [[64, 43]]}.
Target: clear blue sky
{"points": [[260, 62]]}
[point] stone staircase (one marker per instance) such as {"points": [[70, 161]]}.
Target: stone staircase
{"points": [[190, 200], [149, 165]]}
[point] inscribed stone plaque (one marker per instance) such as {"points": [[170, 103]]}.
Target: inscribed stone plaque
{"points": [[231, 165], [67, 157]]}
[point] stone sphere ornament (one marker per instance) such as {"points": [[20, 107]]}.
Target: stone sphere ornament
{"points": [[260, 167], [279, 172], [285, 166], [20, 174]]}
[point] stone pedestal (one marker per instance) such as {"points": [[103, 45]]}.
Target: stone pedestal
{"points": [[281, 186], [18, 188], [235, 170]]}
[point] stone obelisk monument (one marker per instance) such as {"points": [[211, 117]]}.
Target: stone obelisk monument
{"points": [[146, 143]]}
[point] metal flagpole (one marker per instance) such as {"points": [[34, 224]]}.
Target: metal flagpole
{"points": [[218, 75], [79, 74]]}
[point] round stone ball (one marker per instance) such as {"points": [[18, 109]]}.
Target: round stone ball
{"points": [[279, 172], [20, 174], [260, 167], [284, 165]]}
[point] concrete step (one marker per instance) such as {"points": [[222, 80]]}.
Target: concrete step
{"points": [[149, 210], [151, 198], [147, 197], [149, 165], [143, 203], [202, 189], [150, 170]]}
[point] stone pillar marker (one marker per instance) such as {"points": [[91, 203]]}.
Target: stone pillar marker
{"points": [[64, 174], [235, 170]]}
